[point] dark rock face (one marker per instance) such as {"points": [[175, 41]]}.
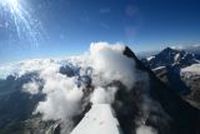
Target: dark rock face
{"points": [[69, 70], [172, 78], [167, 66], [167, 112]]}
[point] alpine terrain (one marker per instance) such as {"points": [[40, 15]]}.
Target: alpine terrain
{"points": [[107, 90]]}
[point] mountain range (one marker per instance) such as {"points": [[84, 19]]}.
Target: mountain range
{"points": [[180, 69], [54, 96]]}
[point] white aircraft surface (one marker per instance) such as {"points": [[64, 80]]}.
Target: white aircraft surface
{"points": [[99, 120]]}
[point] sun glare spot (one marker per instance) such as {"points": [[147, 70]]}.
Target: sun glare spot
{"points": [[13, 3], [10, 3], [26, 26]]}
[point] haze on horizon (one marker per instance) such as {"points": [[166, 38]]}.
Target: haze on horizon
{"points": [[70, 26]]}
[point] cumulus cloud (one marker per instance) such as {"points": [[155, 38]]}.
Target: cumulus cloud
{"points": [[104, 63], [110, 64], [31, 87], [27, 66], [61, 104], [64, 96], [103, 96]]}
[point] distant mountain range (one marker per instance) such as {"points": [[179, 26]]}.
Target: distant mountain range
{"points": [[172, 57], [195, 49], [178, 68]]}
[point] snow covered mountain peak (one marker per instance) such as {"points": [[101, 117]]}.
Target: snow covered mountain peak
{"points": [[172, 57]]}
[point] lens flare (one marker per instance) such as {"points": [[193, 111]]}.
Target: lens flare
{"points": [[28, 29], [12, 3]]}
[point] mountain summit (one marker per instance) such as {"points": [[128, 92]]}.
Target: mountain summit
{"points": [[157, 105], [150, 106], [172, 57]]}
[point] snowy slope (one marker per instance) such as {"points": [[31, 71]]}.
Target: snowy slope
{"points": [[195, 68], [99, 120]]}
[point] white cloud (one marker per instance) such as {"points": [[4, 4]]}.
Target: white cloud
{"points": [[103, 96], [63, 96], [27, 66], [110, 64], [31, 87], [179, 47]]}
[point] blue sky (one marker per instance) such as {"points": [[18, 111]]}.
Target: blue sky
{"points": [[71, 25]]}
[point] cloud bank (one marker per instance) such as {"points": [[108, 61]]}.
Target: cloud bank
{"points": [[103, 63], [66, 82]]}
